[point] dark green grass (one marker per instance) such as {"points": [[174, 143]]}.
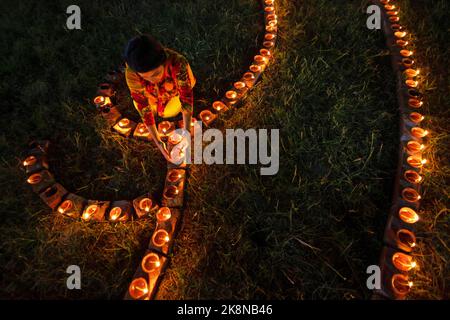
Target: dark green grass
{"points": [[308, 232]]}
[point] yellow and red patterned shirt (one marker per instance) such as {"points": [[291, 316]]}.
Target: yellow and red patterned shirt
{"points": [[176, 83]]}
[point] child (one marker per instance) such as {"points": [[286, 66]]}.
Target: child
{"points": [[160, 82]]}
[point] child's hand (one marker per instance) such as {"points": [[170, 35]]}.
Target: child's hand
{"points": [[163, 148]]}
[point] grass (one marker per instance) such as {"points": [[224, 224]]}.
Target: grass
{"points": [[307, 233]]}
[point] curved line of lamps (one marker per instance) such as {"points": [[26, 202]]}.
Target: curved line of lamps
{"points": [[168, 215], [396, 261]]}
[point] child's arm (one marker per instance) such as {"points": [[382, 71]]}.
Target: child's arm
{"points": [[186, 82]]}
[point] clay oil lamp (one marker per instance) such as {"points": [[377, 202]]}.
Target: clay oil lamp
{"points": [[408, 62], [408, 215], [89, 212], [138, 288], [171, 192], [34, 178], [414, 147], [117, 214], [401, 286], [249, 79], [419, 132], [406, 238], [150, 262], [160, 238], [174, 175], [416, 117], [416, 161], [145, 204], [206, 116], [29, 161], [65, 206], [219, 106], [163, 214], [410, 195]]}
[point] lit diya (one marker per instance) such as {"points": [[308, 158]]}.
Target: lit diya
{"points": [[145, 204], [412, 176], [265, 53], [269, 2], [394, 18], [160, 238], [34, 178], [163, 214], [269, 36], [65, 206], [164, 127], [416, 117], [402, 43], [175, 138], [392, 13], [406, 53], [400, 34], [271, 28], [271, 16], [29, 161], [410, 195], [389, 7], [102, 101], [249, 78], [400, 284], [174, 175], [255, 69], [260, 60], [268, 44], [116, 214], [142, 128], [419, 132], [231, 95], [415, 103], [89, 212], [171, 192], [206, 116], [269, 9], [138, 288], [218, 105], [412, 83], [411, 73], [416, 161], [408, 215], [407, 238], [396, 27], [403, 262], [239, 85], [124, 123], [150, 262], [414, 146]]}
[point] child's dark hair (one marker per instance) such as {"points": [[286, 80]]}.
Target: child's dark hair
{"points": [[144, 53]]}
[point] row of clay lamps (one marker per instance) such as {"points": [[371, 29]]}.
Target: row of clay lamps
{"points": [[396, 260], [260, 62], [168, 217], [60, 200], [145, 280]]}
